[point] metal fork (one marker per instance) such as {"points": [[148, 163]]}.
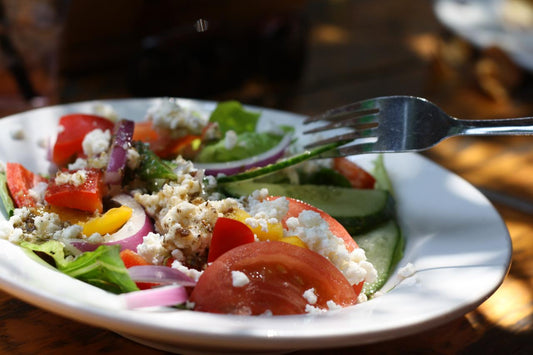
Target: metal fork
{"points": [[402, 124]]}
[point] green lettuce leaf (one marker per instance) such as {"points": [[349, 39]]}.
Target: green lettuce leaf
{"points": [[248, 144], [102, 268], [231, 115]]}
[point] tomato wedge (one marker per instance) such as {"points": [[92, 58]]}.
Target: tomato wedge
{"points": [[19, 182], [86, 197], [131, 258], [74, 128], [164, 146], [278, 276], [297, 206], [359, 178], [227, 234]]}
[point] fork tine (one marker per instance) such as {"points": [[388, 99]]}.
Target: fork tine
{"points": [[356, 120], [339, 112], [347, 137]]}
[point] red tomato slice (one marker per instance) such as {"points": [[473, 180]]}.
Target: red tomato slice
{"points": [[85, 197], [279, 273], [297, 206], [73, 128], [359, 178], [163, 146], [131, 258], [227, 234], [144, 132], [19, 182]]}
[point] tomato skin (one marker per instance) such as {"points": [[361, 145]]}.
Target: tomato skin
{"points": [[297, 206], [162, 145], [19, 182], [131, 258], [227, 234], [359, 178], [279, 274], [74, 128], [86, 197]]}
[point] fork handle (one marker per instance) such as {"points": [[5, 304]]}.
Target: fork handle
{"points": [[507, 126]]}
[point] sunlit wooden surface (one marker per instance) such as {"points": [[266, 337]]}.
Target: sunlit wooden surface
{"points": [[360, 49]]}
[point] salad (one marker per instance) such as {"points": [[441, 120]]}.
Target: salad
{"points": [[204, 212]]}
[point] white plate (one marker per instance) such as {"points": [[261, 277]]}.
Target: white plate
{"points": [[483, 22], [455, 239]]}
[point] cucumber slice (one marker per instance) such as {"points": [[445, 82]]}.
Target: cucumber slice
{"points": [[356, 209], [384, 247], [282, 164]]}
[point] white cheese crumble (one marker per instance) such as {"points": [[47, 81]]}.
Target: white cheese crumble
{"points": [[315, 310], [314, 232], [230, 139], [167, 114], [406, 271], [152, 250], [38, 191], [310, 296], [77, 178], [96, 142], [264, 211], [239, 279], [105, 110], [182, 216]]}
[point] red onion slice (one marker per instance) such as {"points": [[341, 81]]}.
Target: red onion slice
{"points": [[160, 274], [131, 234], [155, 297], [237, 166], [118, 153]]}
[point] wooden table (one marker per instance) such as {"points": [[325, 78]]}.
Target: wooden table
{"points": [[360, 49]]}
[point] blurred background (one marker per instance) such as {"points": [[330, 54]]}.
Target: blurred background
{"points": [[299, 55], [474, 58]]}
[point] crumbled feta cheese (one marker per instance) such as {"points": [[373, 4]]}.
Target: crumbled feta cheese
{"points": [[406, 271], [152, 249], [192, 273], [230, 139], [133, 159], [96, 142], [79, 164], [105, 110], [169, 115], [263, 212], [182, 216], [239, 279], [315, 233], [38, 191], [310, 296], [77, 178]]}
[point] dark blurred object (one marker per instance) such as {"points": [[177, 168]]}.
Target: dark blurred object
{"points": [[185, 48], [29, 39]]}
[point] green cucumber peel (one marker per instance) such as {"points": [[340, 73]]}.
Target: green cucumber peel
{"points": [[282, 164], [5, 197]]}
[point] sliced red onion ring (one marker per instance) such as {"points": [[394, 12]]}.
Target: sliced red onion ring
{"points": [[119, 149], [132, 232], [237, 166], [155, 297], [160, 274]]}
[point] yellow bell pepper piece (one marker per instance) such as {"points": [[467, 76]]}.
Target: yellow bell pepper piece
{"points": [[109, 222], [294, 240], [274, 231]]}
